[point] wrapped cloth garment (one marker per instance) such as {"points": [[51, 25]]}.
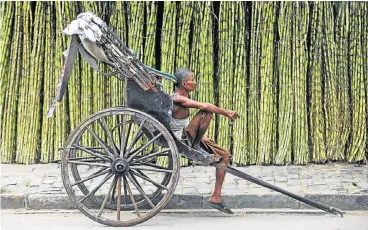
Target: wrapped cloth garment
{"points": [[209, 145], [212, 147], [177, 126]]}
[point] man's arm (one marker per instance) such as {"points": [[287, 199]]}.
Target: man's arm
{"points": [[186, 102]]}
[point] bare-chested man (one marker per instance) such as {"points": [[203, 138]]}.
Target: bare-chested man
{"points": [[195, 129]]}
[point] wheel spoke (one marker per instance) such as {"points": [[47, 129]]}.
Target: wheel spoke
{"points": [[133, 143], [142, 173], [122, 138], [148, 179], [152, 169], [95, 160], [135, 152], [103, 154], [136, 136], [86, 147], [153, 165], [93, 149], [119, 199], [106, 197], [125, 191], [150, 155], [123, 151], [87, 163], [92, 153], [135, 180], [94, 175], [113, 193], [140, 190], [128, 134], [103, 124], [93, 191], [84, 159], [101, 142], [119, 130], [131, 197], [119, 124]]}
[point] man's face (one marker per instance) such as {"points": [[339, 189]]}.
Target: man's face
{"points": [[189, 84]]}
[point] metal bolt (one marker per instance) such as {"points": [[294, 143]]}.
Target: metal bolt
{"points": [[120, 167]]}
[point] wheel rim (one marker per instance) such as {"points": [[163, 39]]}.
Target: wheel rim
{"points": [[111, 162]]}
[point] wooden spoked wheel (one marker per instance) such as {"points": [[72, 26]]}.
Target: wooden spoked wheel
{"points": [[120, 166]]}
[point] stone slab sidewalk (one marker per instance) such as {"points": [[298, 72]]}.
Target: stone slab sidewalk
{"points": [[339, 185]]}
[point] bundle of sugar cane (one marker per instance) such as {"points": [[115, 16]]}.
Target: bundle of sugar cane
{"points": [[185, 11], [226, 66], [12, 79], [239, 94], [7, 14], [267, 118], [316, 117], [357, 148], [342, 57], [50, 80], [150, 36], [168, 39], [331, 103], [254, 82], [299, 63], [285, 112], [27, 150]]}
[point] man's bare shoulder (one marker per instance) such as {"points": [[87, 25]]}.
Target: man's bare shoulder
{"points": [[179, 98], [187, 102]]}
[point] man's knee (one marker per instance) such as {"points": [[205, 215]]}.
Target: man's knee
{"points": [[207, 115], [225, 161]]}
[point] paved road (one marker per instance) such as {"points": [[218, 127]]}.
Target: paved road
{"points": [[194, 220]]}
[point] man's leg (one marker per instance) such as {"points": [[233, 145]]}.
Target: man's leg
{"points": [[198, 127], [220, 176]]}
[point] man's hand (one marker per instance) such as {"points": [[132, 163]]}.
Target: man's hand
{"points": [[232, 114]]}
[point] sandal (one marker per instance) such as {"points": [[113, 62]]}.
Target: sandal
{"points": [[221, 207]]}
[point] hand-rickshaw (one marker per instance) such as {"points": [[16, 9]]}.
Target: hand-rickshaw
{"points": [[121, 165]]}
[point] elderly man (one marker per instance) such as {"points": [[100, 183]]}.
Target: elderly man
{"points": [[194, 130]]}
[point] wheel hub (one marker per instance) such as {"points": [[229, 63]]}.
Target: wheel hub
{"points": [[120, 166]]}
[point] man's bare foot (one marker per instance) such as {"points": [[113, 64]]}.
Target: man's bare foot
{"points": [[214, 199]]}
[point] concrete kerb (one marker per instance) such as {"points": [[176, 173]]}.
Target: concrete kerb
{"points": [[11, 201], [268, 201]]}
